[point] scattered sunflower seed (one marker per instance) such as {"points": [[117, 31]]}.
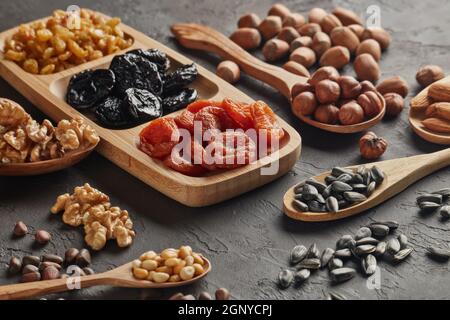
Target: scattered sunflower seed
{"points": [[379, 230], [336, 296], [402, 254], [435, 198], [285, 278], [364, 249], [298, 253], [393, 246], [302, 275], [381, 249], [344, 241], [439, 253], [443, 192], [389, 223], [335, 263], [369, 264], [403, 240], [343, 253], [313, 251], [367, 240], [363, 232], [342, 274], [426, 205], [444, 211], [312, 263], [326, 256]]}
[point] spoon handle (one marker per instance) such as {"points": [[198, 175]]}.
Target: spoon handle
{"points": [[200, 37]]}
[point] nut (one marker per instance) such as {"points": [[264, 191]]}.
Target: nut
{"points": [[295, 20], [327, 113], [20, 229], [357, 29], [160, 277], [275, 49], [379, 34], [187, 273], [394, 103], [222, 294], [270, 27], [324, 73], [371, 102], [251, 20], [440, 91], [140, 273], [42, 237], [296, 68], [70, 256], [15, 265], [351, 113], [367, 86], [301, 87], [393, 84], [29, 268], [204, 296], [316, 15], [371, 47], [228, 71], [350, 87], [184, 252], [437, 125], [347, 17], [429, 74], [371, 146], [366, 68], [343, 36], [50, 273], [288, 34], [327, 91], [83, 258], [321, 42], [31, 277], [309, 29], [337, 57], [304, 104], [304, 41], [438, 110], [52, 258], [279, 10], [246, 38], [305, 56], [329, 22]]}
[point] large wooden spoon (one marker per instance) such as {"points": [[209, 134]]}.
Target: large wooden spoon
{"points": [[119, 277], [200, 37], [400, 173]]}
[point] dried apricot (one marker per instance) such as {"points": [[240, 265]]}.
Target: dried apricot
{"points": [[178, 163], [265, 119], [159, 137], [213, 118], [238, 113], [196, 106], [185, 120]]}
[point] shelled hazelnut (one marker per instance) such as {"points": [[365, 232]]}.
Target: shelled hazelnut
{"points": [[371, 103], [351, 113], [343, 36], [366, 68], [295, 20], [316, 15], [309, 29], [327, 91], [246, 38], [280, 10], [324, 73], [275, 49], [321, 42], [347, 17], [301, 87], [327, 113], [296, 68], [303, 55], [358, 30], [228, 71], [350, 87], [304, 104], [270, 27], [337, 57], [250, 20], [393, 84], [288, 34], [304, 41], [371, 47], [329, 22], [379, 34]]}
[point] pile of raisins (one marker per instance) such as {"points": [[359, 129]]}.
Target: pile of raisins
{"points": [[135, 89]]}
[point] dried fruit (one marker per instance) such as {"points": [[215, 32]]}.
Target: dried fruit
{"points": [[371, 146], [159, 137], [265, 119], [180, 78], [141, 105], [366, 68], [247, 38], [179, 99], [111, 114], [429, 74], [155, 56], [394, 84]]}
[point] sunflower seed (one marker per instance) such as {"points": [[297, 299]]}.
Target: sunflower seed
{"points": [[311, 263], [302, 275], [357, 179], [299, 205], [339, 186], [403, 240], [335, 263], [299, 187], [371, 188], [342, 274], [343, 253], [309, 192], [444, 211], [367, 240], [327, 192], [367, 178], [379, 230], [402, 254], [439, 253], [389, 223], [313, 251], [426, 205], [443, 192], [343, 204], [359, 187], [318, 185], [381, 249], [315, 206], [330, 179], [354, 197], [326, 256], [363, 232], [436, 198], [361, 170], [377, 174], [332, 204], [298, 253], [285, 278], [320, 199], [336, 296], [364, 249], [369, 264], [345, 177], [344, 241], [393, 246], [337, 171]]}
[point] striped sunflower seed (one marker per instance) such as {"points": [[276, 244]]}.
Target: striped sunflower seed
{"points": [[343, 204], [342, 274], [379, 230], [426, 205], [309, 192], [402, 254], [330, 179], [312, 263], [393, 246], [332, 204], [403, 240], [369, 264], [298, 253], [357, 179], [367, 240], [337, 171], [361, 188], [361, 170], [343, 253], [300, 205], [326, 256], [316, 206], [364, 249], [345, 177], [339, 186], [335, 296], [335, 263], [371, 188], [313, 251], [320, 199], [392, 224], [363, 232], [302, 275], [344, 241], [381, 249], [436, 198], [367, 178], [327, 192], [377, 174], [285, 278], [316, 184], [439, 253], [354, 197], [444, 211], [299, 187], [443, 192]]}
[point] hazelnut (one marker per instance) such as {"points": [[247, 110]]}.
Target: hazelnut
{"points": [[275, 49], [343, 36], [303, 55], [296, 68], [301, 87], [321, 42], [304, 104], [371, 146], [251, 20], [279, 10], [371, 47], [393, 84], [327, 113], [429, 74], [394, 104], [316, 15], [327, 91], [350, 87], [20, 229], [228, 71], [367, 86], [351, 113], [347, 17], [270, 27], [341, 102], [357, 29], [246, 38], [329, 22], [295, 20], [42, 237], [371, 102], [324, 73], [304, 41], [337, 57], [288, 34], [379, 34], [366, 68], [309, 29]]}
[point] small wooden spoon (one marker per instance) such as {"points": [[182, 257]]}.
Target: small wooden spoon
{"points": [[119, 277], [200, 37], [417, 114], [400, 173]]}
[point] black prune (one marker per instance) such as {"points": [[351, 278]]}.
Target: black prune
{"points": [[111, 114], [154, 55], [133, 71], [142, 105], [180, 78], [179, 100], [88, 87]]}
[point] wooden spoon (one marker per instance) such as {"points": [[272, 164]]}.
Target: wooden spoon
{"points": [[400, 173], [417, 114], [118, 277], [200, 37]]}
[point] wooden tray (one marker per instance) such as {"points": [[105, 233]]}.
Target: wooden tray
{"points": [[47, 93]]}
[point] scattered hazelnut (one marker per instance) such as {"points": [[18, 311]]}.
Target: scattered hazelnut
{"points": [[50, 273], [371, 146], [347, 17], [15, 265], [357, 29], [301, 87], [246, 38], [251, 20], [324, 73], [371, 102], [429, 74], [222, 294], [296, 68], [316, 15], [20, 229], [303, 55], [366, 68], [279, 10], [304, 41], [270, 27], [337, 57], [304, 104], [394, 104], [350, 87], [343, 36], [321, 42], [327, 91], [371, 47], [204, 296], [42, 237], [228, 71], [351, 113], [393, 84], [288, 34], [275, 49], [70, 255], [295, 20], [329, 22], [379, 34], [309, 29], [327, 113]]}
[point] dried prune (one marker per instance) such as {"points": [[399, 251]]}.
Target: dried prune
{"points": [[111, 114], [154, 55], [142, 105], [133, 71], [180, 78], [179, 100], [88, 87]]}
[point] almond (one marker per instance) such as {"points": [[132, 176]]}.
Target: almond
{"points": [[321, 42], [440, 91], [371, 47], [366, 68], [347, 17], [270, 27], [336, 57], [429, 74], [357, 29], [316, 15], [247, 38], [288, 34], [295, 20], [309, 29], [304, 55], [275, 49], [343, 36], [329, 22], [296, 68], [301, 42], [439, 110], [251, 20], [378, 34], [279, 10], [393, 84], [437, 125]]}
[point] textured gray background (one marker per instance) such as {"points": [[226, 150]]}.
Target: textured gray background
{"points": [[247, 238]]}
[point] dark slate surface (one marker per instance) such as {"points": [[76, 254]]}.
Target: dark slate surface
{"points": [[248, 238]]}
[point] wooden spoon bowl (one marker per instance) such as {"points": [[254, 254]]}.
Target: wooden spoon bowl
{"points": [[119, 277]]}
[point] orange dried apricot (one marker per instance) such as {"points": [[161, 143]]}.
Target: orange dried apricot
{"points": [[265, 119], [159, 137], [198, 105], [239, 113], [185, 120]]}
